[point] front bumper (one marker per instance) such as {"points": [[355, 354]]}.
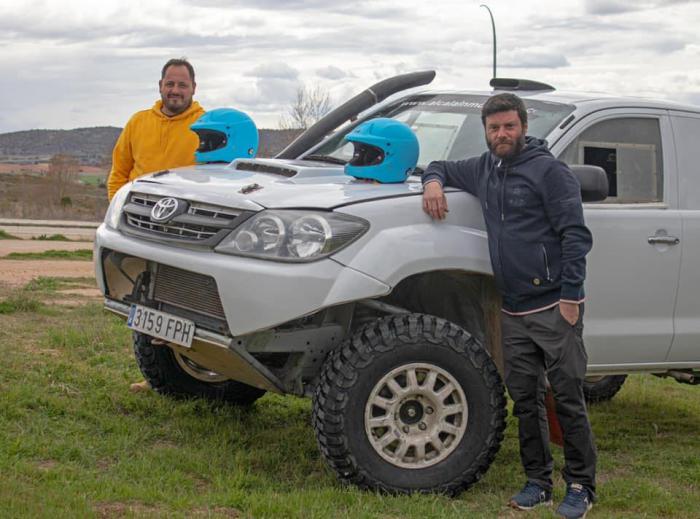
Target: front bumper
{"points": [[213, 349], [255, 294]]}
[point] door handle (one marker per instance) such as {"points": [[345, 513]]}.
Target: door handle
{"points": [[666, 240]]}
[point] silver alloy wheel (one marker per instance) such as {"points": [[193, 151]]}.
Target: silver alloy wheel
{"points": [[416, 415], [199, 372]]}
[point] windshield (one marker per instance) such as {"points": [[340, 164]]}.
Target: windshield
{"points": [[448, 126]]}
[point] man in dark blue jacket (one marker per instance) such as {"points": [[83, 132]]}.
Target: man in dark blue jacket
{"points": [[538, 243]]}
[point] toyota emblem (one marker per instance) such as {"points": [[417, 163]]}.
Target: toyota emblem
{"points": [[165, 209]]}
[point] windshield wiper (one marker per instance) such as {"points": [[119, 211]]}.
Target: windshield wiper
{"points": [[326, 158]]}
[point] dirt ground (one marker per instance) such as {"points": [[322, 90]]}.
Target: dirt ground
{"points": [[16, 273]]}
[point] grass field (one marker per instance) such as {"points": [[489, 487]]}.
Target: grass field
{"points": [[74, 442], [79, 254], [29, 192], [93, 180], [4, 235], [50, 237]]}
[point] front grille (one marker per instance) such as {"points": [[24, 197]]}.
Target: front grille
{"points": [[188, 290], [200, 223], [222, 214], [177, 229]]}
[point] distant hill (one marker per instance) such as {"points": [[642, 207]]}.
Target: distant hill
{"points": [[93, 146], [90, 145]]}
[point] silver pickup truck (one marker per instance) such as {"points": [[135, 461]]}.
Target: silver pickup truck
{"points": [[286, 275]]}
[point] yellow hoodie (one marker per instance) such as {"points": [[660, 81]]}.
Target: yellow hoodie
{"points": [[151, 141]]}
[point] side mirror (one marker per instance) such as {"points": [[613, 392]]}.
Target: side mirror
{"points": [[594, 182]]}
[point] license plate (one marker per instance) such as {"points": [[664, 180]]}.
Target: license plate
{"points": [[161, 325]]}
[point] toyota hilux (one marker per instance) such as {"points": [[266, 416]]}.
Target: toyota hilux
{"points": [[286, 275]]}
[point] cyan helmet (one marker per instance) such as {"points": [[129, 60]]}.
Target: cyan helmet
{"points": [[225, 134], [385, 150]]}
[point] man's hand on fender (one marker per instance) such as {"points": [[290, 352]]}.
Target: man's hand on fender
{"points": [[434, 201], [569, 311]]}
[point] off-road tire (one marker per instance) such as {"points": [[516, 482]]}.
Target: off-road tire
{"points": [[162, 371], [352, 371], [601, 389]]}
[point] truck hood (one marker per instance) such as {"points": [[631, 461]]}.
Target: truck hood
{"points": [[271, 183]]}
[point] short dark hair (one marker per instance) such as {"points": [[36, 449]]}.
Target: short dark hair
{"points": [[178, 62], [504, 103]]}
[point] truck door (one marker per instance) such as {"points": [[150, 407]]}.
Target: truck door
{"points": [[686, 342], [633, 268]]}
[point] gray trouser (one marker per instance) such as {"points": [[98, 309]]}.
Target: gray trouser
{"points": [[542, 345]]}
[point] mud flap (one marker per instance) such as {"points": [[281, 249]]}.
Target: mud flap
{"points": [[555, 433]]}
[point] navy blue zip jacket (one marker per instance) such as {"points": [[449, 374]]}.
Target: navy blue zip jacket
{"points": [[538, 240]]}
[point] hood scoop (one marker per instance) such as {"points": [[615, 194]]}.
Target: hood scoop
{"points": [[295, 171], [261, 167]]}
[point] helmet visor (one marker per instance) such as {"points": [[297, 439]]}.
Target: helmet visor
{"points": [[366, 155], [210, 140]]}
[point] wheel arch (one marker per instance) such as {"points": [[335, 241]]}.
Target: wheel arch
{"points": [[468, 299]]}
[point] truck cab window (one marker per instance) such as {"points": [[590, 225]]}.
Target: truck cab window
{"points": [[448, 126], [629, 150]]}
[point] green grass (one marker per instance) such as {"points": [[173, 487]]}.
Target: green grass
{"points": [[38, 294], [74, 442], [52, 237], [92, 180], [79, 254], [49, 285], [4, 235], [19, 301]]}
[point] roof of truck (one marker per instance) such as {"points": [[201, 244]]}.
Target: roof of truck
{"points": [[588, 100]]}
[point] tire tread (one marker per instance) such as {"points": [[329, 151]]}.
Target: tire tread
{"points": [[339, 375]]}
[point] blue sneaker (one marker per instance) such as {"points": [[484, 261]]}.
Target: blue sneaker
{"points": [[531, 496], [577, 502]]}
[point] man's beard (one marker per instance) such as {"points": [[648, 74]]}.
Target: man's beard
{"points": [[517, 147], [176, 105]]}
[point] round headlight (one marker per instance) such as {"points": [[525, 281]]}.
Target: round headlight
{"points": [[309, 236], [245, 241], [270, 231]]}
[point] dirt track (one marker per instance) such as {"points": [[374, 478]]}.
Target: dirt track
{"points": [[15, 273]]}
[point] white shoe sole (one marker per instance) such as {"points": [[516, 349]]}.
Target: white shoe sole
{"points": [[516, 506]]}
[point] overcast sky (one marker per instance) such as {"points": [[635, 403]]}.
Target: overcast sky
{"points": [[75, 63]]}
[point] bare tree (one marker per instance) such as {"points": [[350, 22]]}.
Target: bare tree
{"points": [[310, 105], [63, 171]]}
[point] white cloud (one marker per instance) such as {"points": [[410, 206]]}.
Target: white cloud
{"points": [[331, 72], [533, 58], [274, 71], [605, 7], [69, 63]]}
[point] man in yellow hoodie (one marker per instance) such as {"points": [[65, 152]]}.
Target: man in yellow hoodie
{"points": [[159, 138]]}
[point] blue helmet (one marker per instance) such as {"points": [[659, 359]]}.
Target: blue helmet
{"points": [[386, 150], [225, 134]]}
